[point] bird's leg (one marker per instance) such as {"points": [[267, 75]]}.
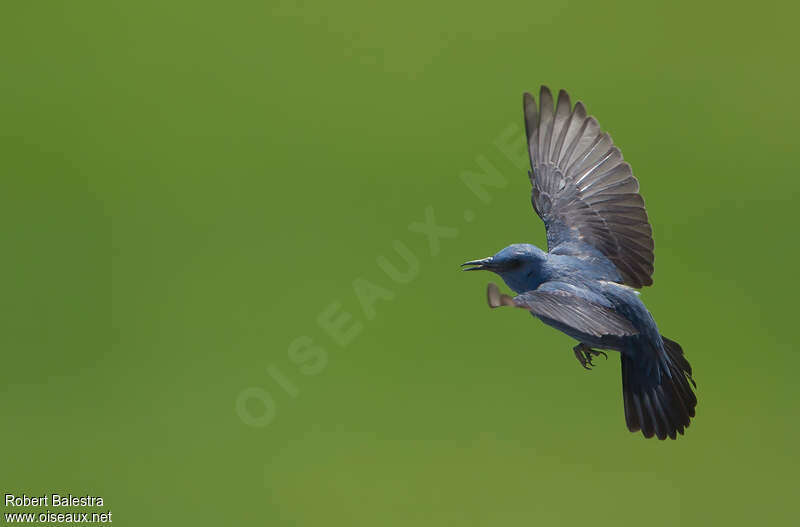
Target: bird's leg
{"points": [[584, 355]]}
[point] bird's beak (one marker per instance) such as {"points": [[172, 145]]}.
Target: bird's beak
{"points": [[484, 264]]}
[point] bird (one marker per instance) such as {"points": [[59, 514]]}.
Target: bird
{"points": [[599, 253]]}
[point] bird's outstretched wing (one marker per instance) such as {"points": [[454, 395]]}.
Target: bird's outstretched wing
{"points": [[583, 190], [561, 305]]}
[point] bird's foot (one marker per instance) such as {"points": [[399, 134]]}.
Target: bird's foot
{"points": [[584, 355]]}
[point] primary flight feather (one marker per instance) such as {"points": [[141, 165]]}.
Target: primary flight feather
{"points": [[600, 247]]}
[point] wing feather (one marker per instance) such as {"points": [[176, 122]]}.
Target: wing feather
{"points": [[567, 305], [583, 189], [575, 312], [546, 119]]}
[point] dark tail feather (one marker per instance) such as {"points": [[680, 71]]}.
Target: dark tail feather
{"points": [[661, 403]]}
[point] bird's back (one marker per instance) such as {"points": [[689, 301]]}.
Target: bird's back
{"points": [[586, 265]]}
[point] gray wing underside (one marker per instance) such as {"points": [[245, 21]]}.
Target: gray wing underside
{"points": [[583, 190], [568, 309]]}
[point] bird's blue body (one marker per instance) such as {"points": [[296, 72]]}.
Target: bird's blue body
{"points": [[525, 267]]}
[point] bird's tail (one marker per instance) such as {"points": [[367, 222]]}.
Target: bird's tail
{"points": [[658, 401]]}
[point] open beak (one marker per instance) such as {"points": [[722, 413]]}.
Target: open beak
{"points": [[484, 264]]}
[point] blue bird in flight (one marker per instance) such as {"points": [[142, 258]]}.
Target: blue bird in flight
{"points": [[600, 250]]}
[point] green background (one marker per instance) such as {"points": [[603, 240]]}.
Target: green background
{"points": [[186, 186]]}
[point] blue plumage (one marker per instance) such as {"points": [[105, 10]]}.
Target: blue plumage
{"points": [[600, 248]]}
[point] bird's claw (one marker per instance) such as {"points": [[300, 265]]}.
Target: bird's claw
{"points": [[584, 355]]}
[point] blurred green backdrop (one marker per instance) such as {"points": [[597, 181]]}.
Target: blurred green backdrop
{"points": [[187, 186]]}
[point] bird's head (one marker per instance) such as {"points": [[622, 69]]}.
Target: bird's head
{"points": [[519, 265]]}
